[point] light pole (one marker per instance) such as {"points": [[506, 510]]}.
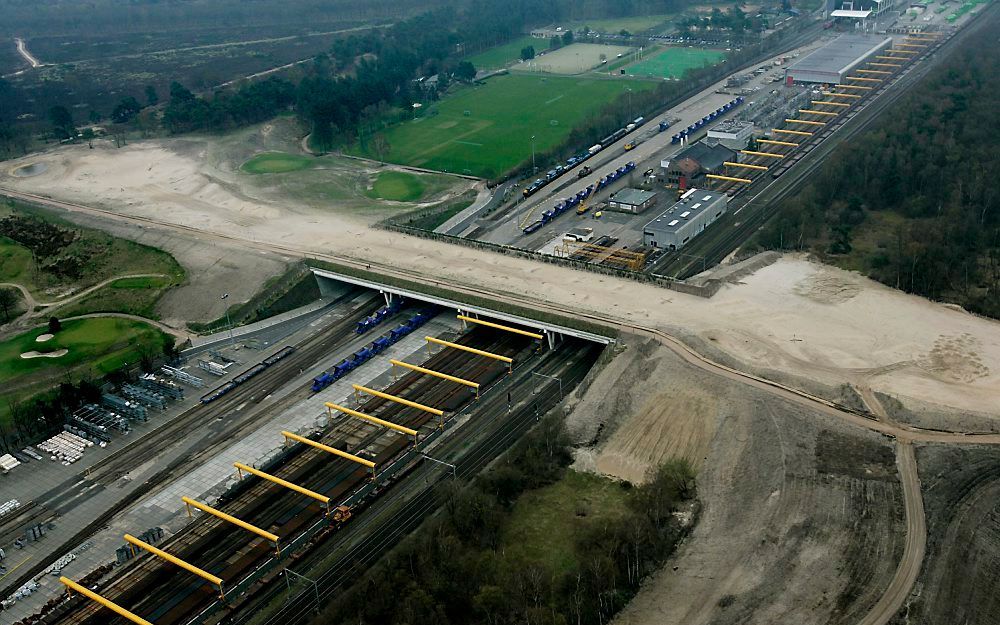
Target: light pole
{"points": [[229, 322], [629, 90], [534, 169], [551, 377]]}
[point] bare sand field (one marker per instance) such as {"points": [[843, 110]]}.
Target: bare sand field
{"points": [[196, 182], [801, 520], [958, 581], [795, 319]]}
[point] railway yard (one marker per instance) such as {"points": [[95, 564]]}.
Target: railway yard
{"points": [[802, 120], [379, 440], [845, 465]]}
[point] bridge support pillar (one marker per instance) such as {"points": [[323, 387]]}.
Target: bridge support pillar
{"points": [[553, 338]]}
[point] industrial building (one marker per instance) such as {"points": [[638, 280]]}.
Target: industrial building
{"points": [[631, 200], [834, 61], [732, 133], [694, 162], [677, 225], [859, 9]]}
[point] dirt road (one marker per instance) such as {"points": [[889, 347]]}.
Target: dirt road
{"points": [[916, 541], [23, 51]]}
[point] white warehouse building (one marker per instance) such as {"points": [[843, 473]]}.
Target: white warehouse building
{"points": [[677, 225]]}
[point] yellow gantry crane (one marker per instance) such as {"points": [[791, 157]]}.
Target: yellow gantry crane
{"points": [[782, 143], [323, 499], [380, 422], [729, 178], [804, 121], [800, 133], [745, 166], [215, 580], [498, 326], [191, 503], [72, 587], [330, 450], [765, 154], [399, 400], [471, 350], [436, 374]]}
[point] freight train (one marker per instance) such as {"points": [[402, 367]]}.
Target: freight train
{"points": [[379, 316], [574, 200], [377, 346], [722, 110], [575, 160], [249, 373]]}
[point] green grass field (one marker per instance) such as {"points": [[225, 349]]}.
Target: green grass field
{"points": [[276, 163], [674, 62], [105, 257], [133, 296], [397, 186], [501, 56], [632, 24], [96, 346], [503, 115], [15, 262], [545, 523], [150, 282]]}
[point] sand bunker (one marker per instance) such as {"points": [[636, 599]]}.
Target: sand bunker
{"points": [[55, 354], [41, 338], [29, 170]]}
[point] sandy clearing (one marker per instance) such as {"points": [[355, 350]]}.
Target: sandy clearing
{"points": [[678, 424], [801, 518], [795, 317], [55, 354]]}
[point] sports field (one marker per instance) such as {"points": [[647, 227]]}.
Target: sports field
{"points": [[635, 24], [486, 130], [674, 62], [501, 56], [575, 58]]}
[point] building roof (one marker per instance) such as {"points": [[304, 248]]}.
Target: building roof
{"points": [[680, 214], [851, 14], [840, 54], [633, 197], [687, 166], [731, 127], [710, 157]]}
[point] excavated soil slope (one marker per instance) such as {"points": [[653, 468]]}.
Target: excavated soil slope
{"points": [[802, 518]]}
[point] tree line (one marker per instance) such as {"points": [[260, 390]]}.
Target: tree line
{"points": [[459, 566], [914, 202]]}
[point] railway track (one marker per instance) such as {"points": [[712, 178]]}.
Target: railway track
{"points": [[399, 513], [111, 469], [154, 590], [751, 212]]}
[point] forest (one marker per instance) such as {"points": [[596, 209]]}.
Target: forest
{"points": [[363, 75], [914, 202], [463, 565]]}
